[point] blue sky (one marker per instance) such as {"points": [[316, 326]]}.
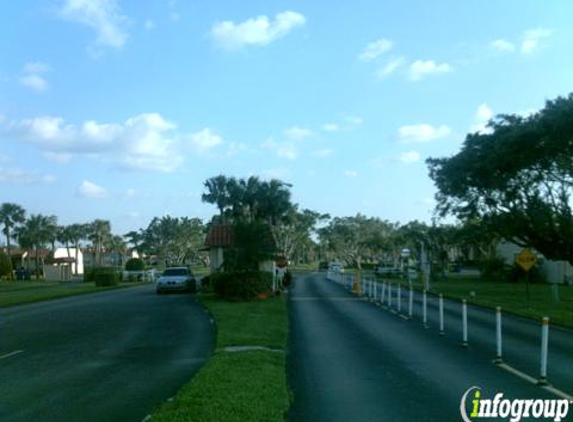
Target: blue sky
{"points": [[121, 109]]}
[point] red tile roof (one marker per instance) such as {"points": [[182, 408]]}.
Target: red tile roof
{"points": [[220, 236]]}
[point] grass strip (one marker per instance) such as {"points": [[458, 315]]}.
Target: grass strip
{"points": [[238, 386], [14, 293], [510, 296]]}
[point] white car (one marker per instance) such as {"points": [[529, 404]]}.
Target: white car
{"points": [[176, 279], [336, 267]]}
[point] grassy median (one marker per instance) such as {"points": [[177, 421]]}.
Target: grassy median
{"points": [[14, 293], [242, 386]]}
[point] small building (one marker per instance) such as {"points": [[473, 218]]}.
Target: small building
{"points": [[222, 236]]}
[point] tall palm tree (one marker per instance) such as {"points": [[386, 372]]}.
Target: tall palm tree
{"points": [[100, 230], [217, 193], [10, 216], [35, 234]]}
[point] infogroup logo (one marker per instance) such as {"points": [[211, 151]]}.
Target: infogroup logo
{"points": [[515, 410]]}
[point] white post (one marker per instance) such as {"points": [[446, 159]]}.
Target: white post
{"points": [[399, 297], [383, 295], [544, 349], [411, 303], [442, 332], [389, 295], [375, 288], [465, 323], [498, 358], [425, 308], [371, 289]]}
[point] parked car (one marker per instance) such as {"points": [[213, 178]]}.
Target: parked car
{"points": [[176, 279], [336, 267]]}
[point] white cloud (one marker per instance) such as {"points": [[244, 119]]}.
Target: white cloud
{"points": [[389, 67], [21, 176], [351, 174], [503, 46], [375, 49], [422, 133], [58, 157], [37, 67], [284, 150], [482, 116], [204, 140], [90, 190], [330, 127], [255, 31], [354, 120], [410, 157], [149, 24], [142, 142], [236, 148], [297, 133], [323, 153], [104, 16], [531, 39], [420, 68], [35, 82], [32, 78]]}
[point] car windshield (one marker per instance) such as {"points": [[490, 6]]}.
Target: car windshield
{"points": [[176, 271]]}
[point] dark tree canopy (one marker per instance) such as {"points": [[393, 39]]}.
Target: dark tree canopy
{"points": [[518, 179]]}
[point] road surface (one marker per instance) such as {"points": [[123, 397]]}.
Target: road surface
{"points": [[349, 360], [110, 356]]}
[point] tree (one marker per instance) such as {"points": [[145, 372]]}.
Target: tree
{"points": [[10, 216], [295, 231], [217, 193], [76, 233], [518, 179], [34, 234], [98, 232]]}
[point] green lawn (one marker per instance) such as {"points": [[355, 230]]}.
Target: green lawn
{"points": [[19, 292], [239, 386], [510, 296]]}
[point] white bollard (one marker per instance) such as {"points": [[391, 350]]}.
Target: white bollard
{"points": [[411, 304], [399, 297], [375, 289], [425, 308], [383, 294], [371, 289], [389, 295], [498, 358], [442, 332], [544, 349], [465, 323]]}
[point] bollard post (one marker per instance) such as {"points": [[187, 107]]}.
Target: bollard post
{"points": [[498, 359], [399, 297], [465, 323], [411, 304], [375, 289], [442, 332], [544, 349], [383, 294], [389, 295], [370, 291], [425, 308]]}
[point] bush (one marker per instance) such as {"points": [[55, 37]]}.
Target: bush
{"points": [[516, 274], [494, 269], [206, 282], [88, 275], [135, 264], [5, 265], [241, 285], [106, 276]]}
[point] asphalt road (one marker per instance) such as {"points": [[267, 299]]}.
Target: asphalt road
{"points": [[349, 360], [111, 356]]}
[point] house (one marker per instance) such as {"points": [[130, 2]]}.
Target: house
{"points": [[555, 271], [58, 264], [222, 236]]}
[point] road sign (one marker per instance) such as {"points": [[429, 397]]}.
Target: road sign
{"points": [[525, 259]]}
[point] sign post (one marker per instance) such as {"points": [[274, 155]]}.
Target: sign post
{"points": [[526, 260]]}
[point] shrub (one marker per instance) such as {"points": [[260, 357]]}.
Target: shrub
{"points": [[206, 282], [106, 276], [88, 275], [241, 285], [494, 269], [135, 264], [5, 265], [516, 274]]}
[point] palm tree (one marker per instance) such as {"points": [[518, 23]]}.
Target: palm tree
{"points": [[77, 233], [217, 193], [99, 230], [115, 243], [10, 216], [35, 234]]}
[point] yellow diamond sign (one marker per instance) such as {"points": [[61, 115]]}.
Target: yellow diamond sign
{"points": [[525, 259]]}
